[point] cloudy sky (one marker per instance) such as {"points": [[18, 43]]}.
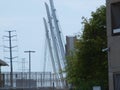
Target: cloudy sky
{"points": [[25, 16]]}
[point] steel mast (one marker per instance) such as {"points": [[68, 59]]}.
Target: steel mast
{"points": [[50, 50], [58, 32], [54, 44]]}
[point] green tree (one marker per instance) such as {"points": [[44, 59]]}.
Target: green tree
{"points": [[88, 65]]}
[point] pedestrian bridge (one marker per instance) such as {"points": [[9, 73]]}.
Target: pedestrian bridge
{"points": [[36, 81]]}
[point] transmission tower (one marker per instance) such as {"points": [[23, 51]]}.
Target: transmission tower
{"points": [[22, 64]]}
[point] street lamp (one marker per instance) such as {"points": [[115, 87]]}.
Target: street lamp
{"points": [[29, 52]]}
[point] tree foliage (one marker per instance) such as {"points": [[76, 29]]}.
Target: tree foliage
{"points": [[88, 65]]}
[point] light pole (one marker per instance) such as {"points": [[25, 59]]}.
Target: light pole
{"points": [[29, 52]]}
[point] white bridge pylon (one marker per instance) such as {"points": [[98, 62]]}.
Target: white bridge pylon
{"points": [[55, 44]]}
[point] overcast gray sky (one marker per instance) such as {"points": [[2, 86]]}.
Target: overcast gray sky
{"points": [[25, 16]]}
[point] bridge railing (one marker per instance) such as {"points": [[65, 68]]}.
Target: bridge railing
{"points": [[22, 80]]}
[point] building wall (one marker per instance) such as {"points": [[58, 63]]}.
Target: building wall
{"points": [[113, 34], [70, 44], [26, 83]]}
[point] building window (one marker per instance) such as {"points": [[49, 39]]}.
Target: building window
{"points": [[116, 78], [115, 17]]}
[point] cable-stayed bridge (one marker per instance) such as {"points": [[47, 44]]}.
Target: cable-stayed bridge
{"points": [[42, 80]]}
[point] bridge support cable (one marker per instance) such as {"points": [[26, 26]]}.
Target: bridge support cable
{"points": [[44, 64]]}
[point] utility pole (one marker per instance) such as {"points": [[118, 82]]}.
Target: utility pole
{"points": [[11, 57], [11, 72], [29, 52]]}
